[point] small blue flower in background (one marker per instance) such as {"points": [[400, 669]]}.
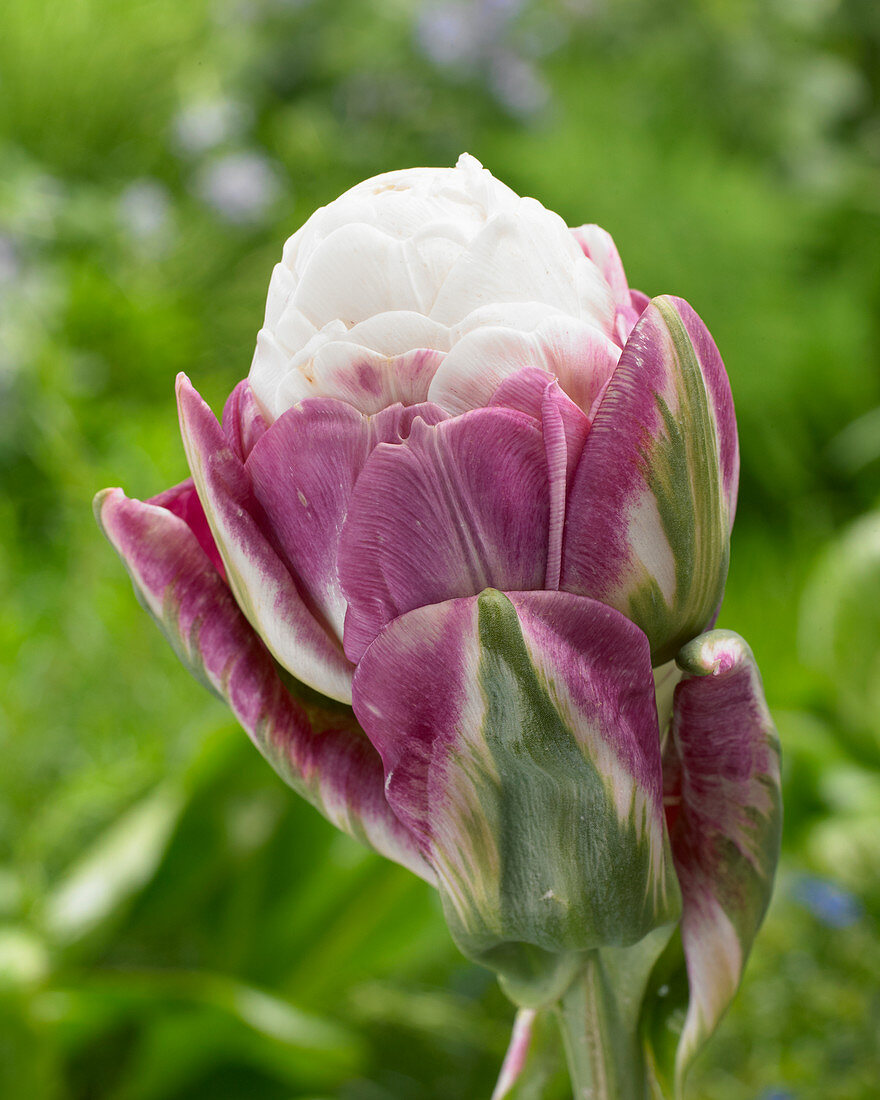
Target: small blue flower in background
{"points": [[828, 902], [518, 85], [144, 209], [239, 186], [776, 1094], [204, 124], [479, 39]]}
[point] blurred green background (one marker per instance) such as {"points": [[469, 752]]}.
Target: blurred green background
{"points": [[173, 922]]}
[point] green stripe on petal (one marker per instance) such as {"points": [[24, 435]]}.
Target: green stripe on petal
{"points": [[520, 743]]}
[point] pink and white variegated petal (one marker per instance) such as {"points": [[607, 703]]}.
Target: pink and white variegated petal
{"points": [[577, 353], [517, 1053], [261, 580], [303, 473], [455, 509], [315, 746], [243, 421], [366, 379], [519, 737], [724, 814], [598, 245], [650, 508]]}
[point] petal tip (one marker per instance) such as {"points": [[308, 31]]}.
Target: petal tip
{"points": [[104, 503], [715, 653]]}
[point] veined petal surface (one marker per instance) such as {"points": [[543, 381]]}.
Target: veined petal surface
{"points": [[724, 814], [519, 737], [315, 745], [263, 584], [650, 510]]}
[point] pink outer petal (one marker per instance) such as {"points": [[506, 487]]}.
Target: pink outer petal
{"points": [[261, 580], [724, 814], [535, 393], [459, 507], [304, 470], [243, 422], [183, 501], [316, 747]]}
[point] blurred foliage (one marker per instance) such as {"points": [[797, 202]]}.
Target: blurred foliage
{"points": [[174, 923]]}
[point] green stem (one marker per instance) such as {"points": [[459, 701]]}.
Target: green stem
{"points": [[602, 1047]]}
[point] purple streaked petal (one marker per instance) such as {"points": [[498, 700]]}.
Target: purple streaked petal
{"points": [[556, 452], [318, 749], [520, 744], [263, 585], [303, 472], [647, 529], [455, 509], [243, 422], [724, 814]]}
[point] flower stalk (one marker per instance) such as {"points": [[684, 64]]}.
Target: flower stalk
{"points": [[604, 1056]]}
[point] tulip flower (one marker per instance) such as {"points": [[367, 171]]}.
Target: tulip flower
{"points": [[453, 557]]}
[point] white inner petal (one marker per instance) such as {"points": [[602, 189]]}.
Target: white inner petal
{"points": [[359, 271], [293, 330], [528, 258], [398, 331], [521, 316], [281, 287], [445, 259]]}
